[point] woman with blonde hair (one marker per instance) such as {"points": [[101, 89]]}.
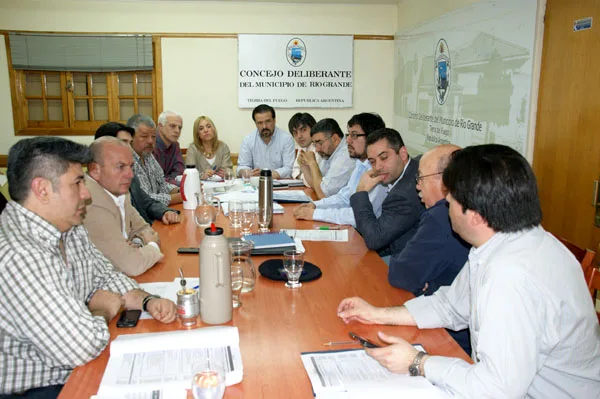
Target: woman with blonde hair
{"points": [[210, 155]]}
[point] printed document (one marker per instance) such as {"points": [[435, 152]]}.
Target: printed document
{"points": [[165, 361], [354, 374], [318, 235]]}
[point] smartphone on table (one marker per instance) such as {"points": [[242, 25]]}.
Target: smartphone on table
{"points": [[129, 318]]}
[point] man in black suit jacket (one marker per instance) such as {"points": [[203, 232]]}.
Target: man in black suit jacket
{"points": [[402, 208]]}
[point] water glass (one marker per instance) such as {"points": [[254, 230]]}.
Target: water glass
{"points": [[228, 177], [245, 175], [248, 216], [264, 220], [208, 380], [241, 252], [235, 214], [237, 282], [293, 262]]}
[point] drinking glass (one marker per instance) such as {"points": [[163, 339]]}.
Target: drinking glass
{"points": [[228, 177], [208, 380], [237, 283], [235, 214], [245, 175], [248, 215], [293, 262], [264, 220], [241, 252]]}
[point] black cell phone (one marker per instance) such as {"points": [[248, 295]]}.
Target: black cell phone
{"points": [[129, 318], [188, 250], [363, 341]]}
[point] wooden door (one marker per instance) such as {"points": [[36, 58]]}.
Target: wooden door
{"points": [[566, 156]]}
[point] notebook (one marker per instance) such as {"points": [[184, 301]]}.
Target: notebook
{"points": [[270, 240]]}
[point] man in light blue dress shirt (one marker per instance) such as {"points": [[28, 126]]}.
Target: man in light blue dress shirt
{"points": [[534, 331], [331, 174], [267, 147], [336, 208]]}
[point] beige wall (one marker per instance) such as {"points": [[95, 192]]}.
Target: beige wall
{"points": [[199, 75], [414, 12]]}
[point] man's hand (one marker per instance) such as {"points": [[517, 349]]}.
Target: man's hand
{"points": [[170, 217], [357, 309], [305, 211], [276, 175], [106, 304], [175, 190], [162, 309], [255, 172], [309, 158], [396, 357], [149, 235], [368, 180]]}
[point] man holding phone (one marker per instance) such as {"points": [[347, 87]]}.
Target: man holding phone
{"points": [[57, 291]]}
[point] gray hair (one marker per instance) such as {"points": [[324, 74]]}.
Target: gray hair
{"points": [[140, 119], [162, 118]]}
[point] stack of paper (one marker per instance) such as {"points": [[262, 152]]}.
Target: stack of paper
{"points": [[291, 196], [290, 182], [318, 235], [354, 374], [141, 363], [277, 209]]}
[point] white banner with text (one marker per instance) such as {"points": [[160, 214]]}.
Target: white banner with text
{"points": [[295, 71]]}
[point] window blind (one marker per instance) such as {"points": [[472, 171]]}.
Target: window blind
{"points": [[81, 53]]}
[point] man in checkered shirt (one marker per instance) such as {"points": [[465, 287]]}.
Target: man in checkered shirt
{"points": [[57, 291]]}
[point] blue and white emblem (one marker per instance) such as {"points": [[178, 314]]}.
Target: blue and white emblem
{"points": [[441, 74], [296, 52]]}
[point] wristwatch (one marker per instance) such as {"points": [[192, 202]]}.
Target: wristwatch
{"points": [[415, 368], [146, 300]]}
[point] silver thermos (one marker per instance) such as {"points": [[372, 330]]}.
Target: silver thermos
{"points": [[265, 194]]}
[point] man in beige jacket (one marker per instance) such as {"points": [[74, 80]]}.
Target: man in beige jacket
{"points": [[114, 225]]}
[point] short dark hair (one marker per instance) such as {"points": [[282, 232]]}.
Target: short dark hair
{"points": [[111, 129], [496, 182], [261, 109], [392, 136], [47, 157], [327, 126], [368, 122], [299, 120]]}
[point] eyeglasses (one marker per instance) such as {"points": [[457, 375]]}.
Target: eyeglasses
{"points": [[354, 136], [419, 178]]}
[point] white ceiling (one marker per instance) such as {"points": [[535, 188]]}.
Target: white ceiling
{"points": [[290, 1]]}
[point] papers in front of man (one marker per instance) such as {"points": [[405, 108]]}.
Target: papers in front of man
{"points": [[141, 363], [290, 182], [318, 235], [351, 374], [291, 196]]}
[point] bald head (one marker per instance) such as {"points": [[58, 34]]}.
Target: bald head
{"points": [[112, 165], [431, 166]]}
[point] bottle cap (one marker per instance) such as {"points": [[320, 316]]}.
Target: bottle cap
{"points": [[265, 172], [213, 230], [190, 166]]}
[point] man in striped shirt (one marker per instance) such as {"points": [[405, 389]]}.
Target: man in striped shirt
{"points": [[57, 291]]}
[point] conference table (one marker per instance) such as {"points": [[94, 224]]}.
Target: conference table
{"points": [[275, 323]]}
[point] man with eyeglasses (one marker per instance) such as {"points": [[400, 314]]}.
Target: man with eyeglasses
{"points": [[401, 209], [332, 173], [435, 254], [336, 208]]}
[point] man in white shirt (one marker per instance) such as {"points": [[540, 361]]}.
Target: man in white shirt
{"points": [[329, 175], [299, 125], [534, 330], [114, 225], [267, 147], [336, 208]]}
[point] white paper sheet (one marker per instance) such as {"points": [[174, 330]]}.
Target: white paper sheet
{"points": [[144, 362], [318, 235]]}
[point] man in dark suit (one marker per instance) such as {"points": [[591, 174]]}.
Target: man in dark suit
{"points": [[402, 208]]}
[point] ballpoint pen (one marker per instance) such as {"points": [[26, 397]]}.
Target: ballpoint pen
{"points": [[340, 343], [327, 228]]}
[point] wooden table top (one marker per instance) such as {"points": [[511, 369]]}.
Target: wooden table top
{"points": [[275, 323]]}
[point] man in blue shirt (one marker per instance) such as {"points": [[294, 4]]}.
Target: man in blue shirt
{"points": [[435, 254], [336, 208], [267, 147]]}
